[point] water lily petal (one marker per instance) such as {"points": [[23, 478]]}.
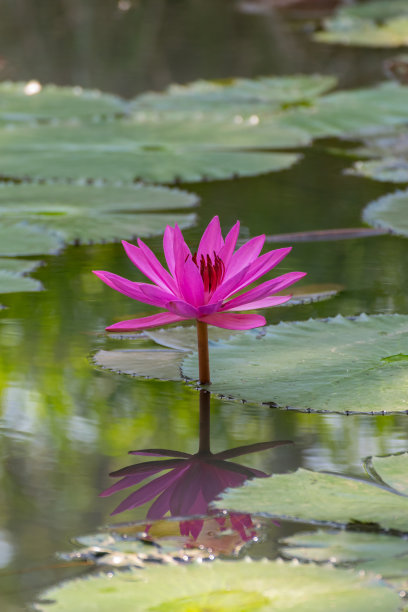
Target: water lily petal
{"points": [[234, 320], [229, 287], [159, 452], [230, 242], [209, 308], [162, 318], [127, 481], [191, 284], [264, 264], [273, 300], [245, 256], [265, 289], [181, 253], [144, 259], [182, 309], [168, 248], [211, 240], [142, 292], [161, 505]]}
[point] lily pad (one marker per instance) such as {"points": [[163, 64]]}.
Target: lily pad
{"points": [[236, 586], [333, 365], [24, 239], [372, 24], [355, 112], [33, 101], [384, 555], [393, 470], [13, 275], [242, 97], [322, 498], [389, 212], [156, 363], [87, 213]]}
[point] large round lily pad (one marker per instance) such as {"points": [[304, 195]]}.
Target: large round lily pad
{"points": [[222, 586], [336, 365], [389, 212], [20, 238], [324, 498], [87, 213], [32, 101]]}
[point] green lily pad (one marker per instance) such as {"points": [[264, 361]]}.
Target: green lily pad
{"points": [[88, 214], [355, 112], [242, 97], [223, 586], [32, 101], [389, 212], [334, 365], [387, 170], [393, 470], [24, 239], [387, 157], [372, 24], [156, 363], [13, 275], [323, 498], [384, 555]]}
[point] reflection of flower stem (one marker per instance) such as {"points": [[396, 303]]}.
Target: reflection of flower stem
{"points": [[204, 446], [203, 358]]}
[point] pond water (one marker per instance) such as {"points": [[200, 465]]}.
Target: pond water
{"points": [[64, 425]]}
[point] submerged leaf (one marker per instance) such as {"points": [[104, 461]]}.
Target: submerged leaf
{"points": [[225, 586], [333, 365], [156, 363]]}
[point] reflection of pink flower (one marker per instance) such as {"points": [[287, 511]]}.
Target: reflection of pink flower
{"points": [[240, 523], [190, 483], [201, 286]]}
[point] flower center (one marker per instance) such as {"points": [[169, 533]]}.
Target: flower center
{"points": [[212, 271]]}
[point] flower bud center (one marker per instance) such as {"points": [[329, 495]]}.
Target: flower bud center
{"points": [[212, 271]]}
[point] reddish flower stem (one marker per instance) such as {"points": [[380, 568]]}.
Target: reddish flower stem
{"points": [[203, 358]]}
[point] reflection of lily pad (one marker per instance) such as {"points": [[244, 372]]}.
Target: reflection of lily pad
{"points": [[334, 365], [94, 214], [389, 212], [236, 96], [325, 498], [13, 276], [379, 23], [236, 586], [383, 555], [31, 101]]}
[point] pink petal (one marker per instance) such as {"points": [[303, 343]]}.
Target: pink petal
{"points": [[265, 289], [182, 309], [267, 302], [168, 248], [142, 292], [209, 309], [161, 505], [211, 240], [181, 253], [264, 264], [191, 284], [137, 468], [229, 287], [147, 262], [245, 256], [230, 242], [162, 318], [234, 321]]}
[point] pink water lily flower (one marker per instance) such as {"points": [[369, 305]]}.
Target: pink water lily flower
{"points": [[202, 285]]}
